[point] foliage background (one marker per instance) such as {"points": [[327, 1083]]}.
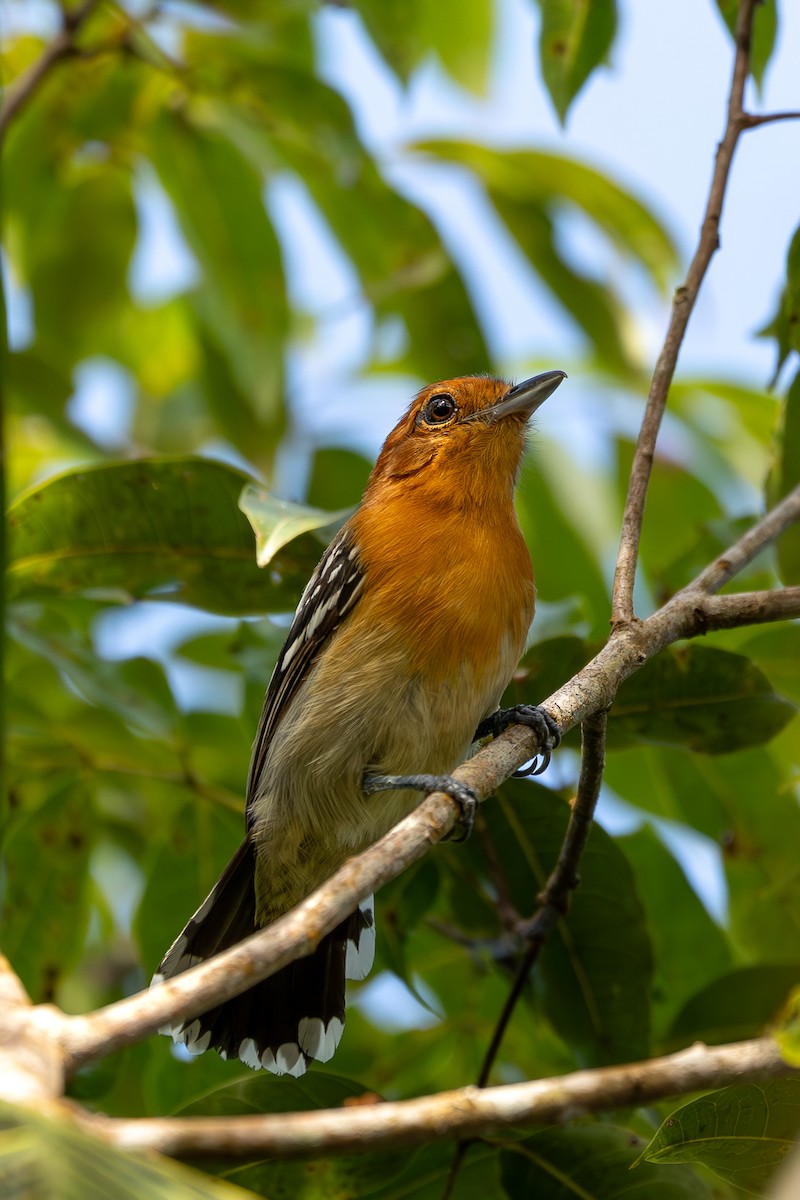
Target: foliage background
{"points": [[138, 648]]}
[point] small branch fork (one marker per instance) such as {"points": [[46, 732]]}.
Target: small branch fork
{"points": [[62, 46], [682, 306]]}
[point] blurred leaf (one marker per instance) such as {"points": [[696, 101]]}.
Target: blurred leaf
{"points": [[181, 868], [46, 910], [564, 562], [591, 1161], [737, 421], [689, 949], [788, 468], [77, 263], [575, 37], [742, 802], [533, 191], [406, 32], [416, 1174], [404, 903], [765, 29], [712, 701], [545, 666], [166, 528], [46, 1159], [338, 478], [596, 986], [777, 652], [678, 505], [738, 1005], [742, 1133], [242, 299], [785, 325], [277, 522], [787, 1029]]}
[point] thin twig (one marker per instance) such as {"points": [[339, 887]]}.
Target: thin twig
{"points": [[465, 1112], [741, 553], [754, 120], [555, 896], [61, 47], [682, 306]]}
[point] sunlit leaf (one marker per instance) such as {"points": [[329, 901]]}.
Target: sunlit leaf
{"points": [[277, 522]]}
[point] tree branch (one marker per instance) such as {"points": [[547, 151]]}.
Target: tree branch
{"points": [[682, 306], [754, 120], [555, 896], [465, 1112], [741, 553], [62, 46], [689, 613]]}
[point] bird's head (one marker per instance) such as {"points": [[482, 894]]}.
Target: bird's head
{"points": [[474, 425]]}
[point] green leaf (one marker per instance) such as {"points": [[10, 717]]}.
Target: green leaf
{"points": [[166, 529], [532, 191], [403, 904], [712, 701], [242, 300], [277, 522], [591, 1162], [788, 467], [338, 478], [76, 265], [742, 1133], [596, 985], [46, 1159], [406, 31], [45, 908], [689, 948], [180, 870], [575, 37], [765, 29], [785, 325], [564, 561], [738, 1005], [777, 652]]}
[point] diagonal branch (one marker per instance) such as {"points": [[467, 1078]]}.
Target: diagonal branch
{"points": [[61, 47], [465, 1112], [688, 614], [682, 306]]}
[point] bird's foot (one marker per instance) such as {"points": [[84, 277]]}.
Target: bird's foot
{"points": [[463, 795], [536, 719]]}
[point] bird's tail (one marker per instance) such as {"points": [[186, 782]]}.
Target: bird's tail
{"points": [[294, 1017]]}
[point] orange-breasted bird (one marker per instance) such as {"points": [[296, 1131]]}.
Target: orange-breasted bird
{"points": [[399, 652]]}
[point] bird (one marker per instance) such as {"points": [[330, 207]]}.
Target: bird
{"points": [[400, 649]]}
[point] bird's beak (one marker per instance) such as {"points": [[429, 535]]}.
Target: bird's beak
{"points": [[524, 398]]}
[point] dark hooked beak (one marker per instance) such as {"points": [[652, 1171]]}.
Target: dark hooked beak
{"points": [[525, 398]]}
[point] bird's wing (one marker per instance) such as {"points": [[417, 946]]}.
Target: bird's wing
{"points": [[328, 597]]}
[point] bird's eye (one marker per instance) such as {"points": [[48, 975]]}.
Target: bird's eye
{"points": [[439, 409]]}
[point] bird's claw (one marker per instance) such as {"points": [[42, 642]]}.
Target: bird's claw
{"points": [[461, 793], [535, 718]]}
